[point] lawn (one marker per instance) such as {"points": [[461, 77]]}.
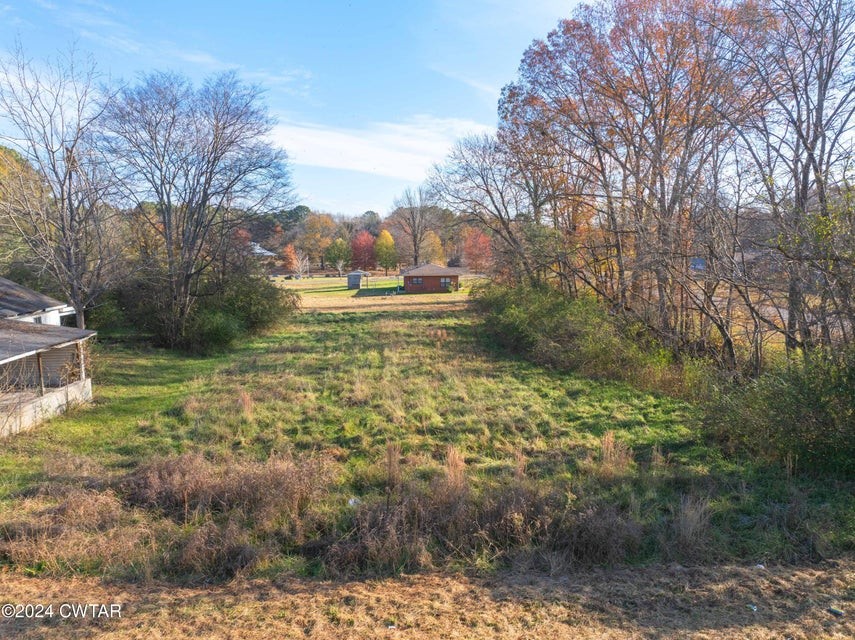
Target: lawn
{"points": [[356, 441]]}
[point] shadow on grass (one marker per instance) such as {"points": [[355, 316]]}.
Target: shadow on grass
{"points": [[376, 291], [649, 602]]}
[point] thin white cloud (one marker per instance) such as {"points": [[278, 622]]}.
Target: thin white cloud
{"points": [[100, 22], [200, 58], [402, 150], [9, 18], [113, 41], [489, 90]]}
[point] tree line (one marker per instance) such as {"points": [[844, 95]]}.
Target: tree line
{"points": [[414, 232], [685, 161]]}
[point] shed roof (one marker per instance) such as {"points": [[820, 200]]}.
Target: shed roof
{"points": [[432, 270], [18, 300], [21, 339]]}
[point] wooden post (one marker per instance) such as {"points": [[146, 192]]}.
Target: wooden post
{"points": [[41, 375], [82, 362]]}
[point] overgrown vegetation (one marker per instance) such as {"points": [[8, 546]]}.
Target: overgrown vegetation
{"points": [[370, 443], [234, 301], [580, 335], [799, 414]]}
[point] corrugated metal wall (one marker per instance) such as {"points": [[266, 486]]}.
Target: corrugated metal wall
{"points": [[59, 368]]}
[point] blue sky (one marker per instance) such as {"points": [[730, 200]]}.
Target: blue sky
{"points": [[368, 95]]}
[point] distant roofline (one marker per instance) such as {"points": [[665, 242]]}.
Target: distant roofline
{"points": [[432, 270]]}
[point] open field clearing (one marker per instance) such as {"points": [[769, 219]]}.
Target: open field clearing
{"points": [[332, 295], [296, 476]]}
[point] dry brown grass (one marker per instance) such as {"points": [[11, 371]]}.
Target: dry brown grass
{"points": [[663, 603], [615, 460], [692, 525], [85, 531], [245, 404]]}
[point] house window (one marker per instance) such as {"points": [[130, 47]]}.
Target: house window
{"points": [[445, 283], [417, 281]]}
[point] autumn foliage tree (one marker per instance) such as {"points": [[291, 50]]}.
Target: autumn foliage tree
{"points": [[385, 252], [362, 251], [316, 235], [289, 258], [477, 254]]}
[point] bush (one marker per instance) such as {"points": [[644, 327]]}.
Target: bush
{"points": [[802, 414], [106, 314], [209, 331], [256, 301], [228, 308], [551, 329]]}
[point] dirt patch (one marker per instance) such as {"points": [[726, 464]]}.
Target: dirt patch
{"points": [[653, 602]]}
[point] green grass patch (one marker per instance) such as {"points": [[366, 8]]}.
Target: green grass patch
{"points": [[549, 462]]}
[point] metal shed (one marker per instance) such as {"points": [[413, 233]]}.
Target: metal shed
{"points": [[354, 279]]}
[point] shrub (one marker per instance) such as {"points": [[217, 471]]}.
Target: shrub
{"points": [[212, 551], [551, 329], [801, 414], [228, 307], [256, 301], [208, 331], [107, 314], [598, 534]]}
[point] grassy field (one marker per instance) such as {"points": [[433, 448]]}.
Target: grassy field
{"points": [[375, 434]]}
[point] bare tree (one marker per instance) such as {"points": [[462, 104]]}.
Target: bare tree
{"points": [[479, 180], [301, 263], [413, 218], [800, 57], [55, 199], [202, 156]]}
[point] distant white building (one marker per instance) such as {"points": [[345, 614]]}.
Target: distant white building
{"points": [[261, 252], [18, 302]]}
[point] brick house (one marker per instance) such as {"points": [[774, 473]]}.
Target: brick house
{"points": [[431, 278]]}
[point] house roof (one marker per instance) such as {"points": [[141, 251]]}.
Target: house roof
{"points": [[21, 339], [261, 252], [18, 300], [432, 270]]}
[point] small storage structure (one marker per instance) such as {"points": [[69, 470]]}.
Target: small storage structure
{"points": [[354, 279]]}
